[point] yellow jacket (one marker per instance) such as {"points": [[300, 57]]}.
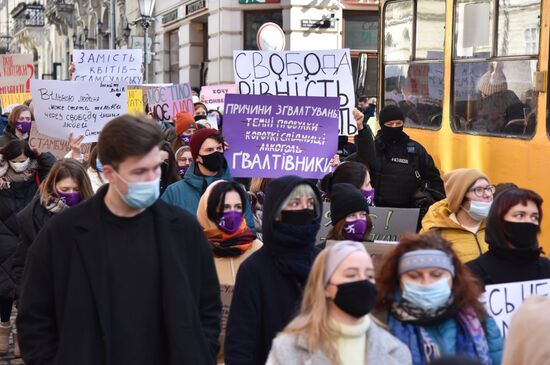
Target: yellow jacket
{"points": [[467, 245]]}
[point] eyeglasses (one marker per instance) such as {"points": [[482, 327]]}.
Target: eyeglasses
{"points": [[480, 190], [184, 159]]}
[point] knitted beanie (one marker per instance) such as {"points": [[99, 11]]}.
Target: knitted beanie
{"points": [[492, 82], [198, 139], [184, 121], [390, 113], [346, 199], [457, 182]]}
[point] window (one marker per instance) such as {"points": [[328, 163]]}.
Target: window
{"points": [[413, 60], [361, 31], [493, 94], [253, 20], [174, 47]]}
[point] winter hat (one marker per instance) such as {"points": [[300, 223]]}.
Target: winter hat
{"points": [[198, 139], [389, 113], [457, 183], [492, 81], [184, 121], [346, 199]]}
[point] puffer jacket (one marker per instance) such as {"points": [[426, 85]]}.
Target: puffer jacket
{"points": [[466, 244]]}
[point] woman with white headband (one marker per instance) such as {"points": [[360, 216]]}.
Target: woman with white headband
{"points": [[333, 326], [432, 303]]}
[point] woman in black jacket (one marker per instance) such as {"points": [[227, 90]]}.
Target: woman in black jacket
{"points": [[512, 229], [19, 125], [21, 171]]}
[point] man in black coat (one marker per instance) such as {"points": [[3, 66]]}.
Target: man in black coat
{"points": [[122, 278]]}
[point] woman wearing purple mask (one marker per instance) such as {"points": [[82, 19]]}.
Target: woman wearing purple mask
{"points": [[183, 159], [19, 125], [354, 173], [221, 215]]}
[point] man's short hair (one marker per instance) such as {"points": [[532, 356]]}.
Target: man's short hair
{"points": [[362, 99], [127, 136]]}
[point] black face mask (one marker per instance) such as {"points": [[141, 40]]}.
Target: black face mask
{"points": [[199, 117], [391, 134], [302, 217], [523, 235], [356, 298], [213, 162]]}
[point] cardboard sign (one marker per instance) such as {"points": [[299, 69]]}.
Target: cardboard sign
{"points": [[290, 73], [77, 107], [16, 71], [503, 300], [135, 102], [214, 96], [166, 102], [273, 136], [11, 99], [108, 65], [56, 146], [226, 295]]}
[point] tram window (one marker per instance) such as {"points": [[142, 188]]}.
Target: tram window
{"points": [[518, 27], [398, 31], [430, 29], [473, 28], [495, 97], [418, 90]]}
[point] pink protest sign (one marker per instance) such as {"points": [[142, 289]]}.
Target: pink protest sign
{"points": [[165, 102], [16, 71], [214, 96]]}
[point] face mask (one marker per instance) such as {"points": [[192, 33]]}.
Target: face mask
{"points": [[71, 199], [302, 217], [99, 165], [230, 221], [427, 297], [355, 230], [23, 127], [356, 298], [141, 195], [369, 195], [185, 139], [213, 162], [182, 170], [479, 210], [20, 166], [391, 134], [523, 235], [199, 117]]}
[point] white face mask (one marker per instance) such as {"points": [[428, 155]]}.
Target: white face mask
{"points": [[479, 210], [20, 166]]}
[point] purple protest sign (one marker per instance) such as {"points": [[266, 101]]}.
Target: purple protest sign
{"points": [[165, 102], [273, 136]]}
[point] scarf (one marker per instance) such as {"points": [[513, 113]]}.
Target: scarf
{"points": [[230, 245], [8, 176], [55, 205], [405, 324]]}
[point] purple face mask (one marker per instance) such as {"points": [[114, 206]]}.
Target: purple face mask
{"points": [[355, 230], [71, 199], [230, 221], [369, 195], [23, 127], [185, 139], [182, 170]]}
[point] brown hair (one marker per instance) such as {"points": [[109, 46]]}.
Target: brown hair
{"points": [[16, 112], [62, 169], [127, 136], [258, 184], [337, 231], [466, 288]]}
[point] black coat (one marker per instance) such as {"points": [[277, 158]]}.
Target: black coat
{"points": [[64, 314], [500, 265], [7, 136]]}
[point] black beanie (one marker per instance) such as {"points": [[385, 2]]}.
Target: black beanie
{"points": [[346, 199], [389, 113]]}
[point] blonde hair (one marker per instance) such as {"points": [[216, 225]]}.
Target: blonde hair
{"points": [[313, 322], [258, 184], [62, 169], [299, 191]]}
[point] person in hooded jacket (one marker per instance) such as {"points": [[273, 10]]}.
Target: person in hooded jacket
{"points": [[512, 229], [270, 283], [209, 165], [462, 216], [393, 159], [19, 125]]}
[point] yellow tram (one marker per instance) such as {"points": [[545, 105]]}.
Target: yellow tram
{"points": [[471, 79]]}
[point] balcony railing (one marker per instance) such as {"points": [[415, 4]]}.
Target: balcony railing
{"points": [[27, 15]]}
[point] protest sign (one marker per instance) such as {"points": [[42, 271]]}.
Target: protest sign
{"points": [[108, 65], [16, 71], [56, 146], [135, 101], [166, 102], [226, 294], [273, 136], [77, 107], [290, 73], [11, 99], [503, 300], [214, 96]]}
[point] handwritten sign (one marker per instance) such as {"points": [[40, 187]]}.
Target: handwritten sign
{"points": [[11, 99], [214, 96], [16, 71], [78, 107], [135, 101], [166, 102], [226, 295], [273, 136], [108, 65], [503, 300], [56, 146], [289, 73]]}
